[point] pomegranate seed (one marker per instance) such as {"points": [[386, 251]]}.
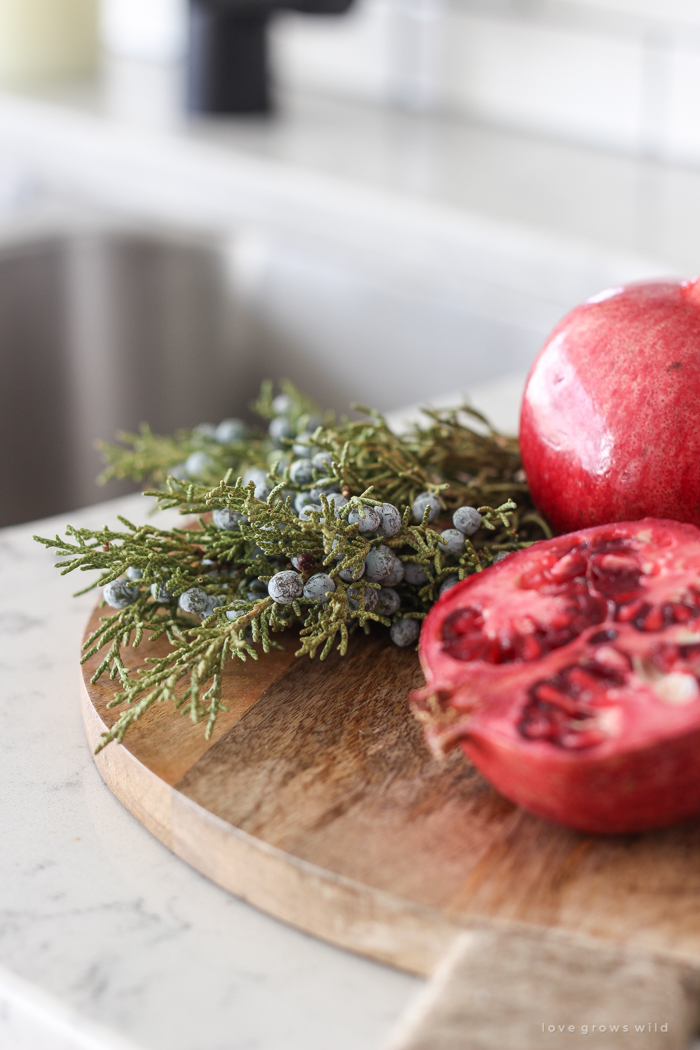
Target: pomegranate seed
{"points": [[570, 566], [546, 693], [582, 738], [665, 657], [470, 647], [627, 612], [603, 636], [539, 727], [619, 563], [648, 619], [529, 648], [464, 621], [612, 659], [582, 682]]}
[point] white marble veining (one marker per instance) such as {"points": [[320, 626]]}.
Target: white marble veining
{"points": [[108, 941]]}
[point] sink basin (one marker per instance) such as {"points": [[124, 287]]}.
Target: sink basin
{"points": [[99, 332], [102, 329]]}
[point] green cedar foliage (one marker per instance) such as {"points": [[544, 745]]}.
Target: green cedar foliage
{"points": [[369, 463]]}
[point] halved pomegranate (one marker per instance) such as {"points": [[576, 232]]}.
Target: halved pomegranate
{"points": [[570, 675]]}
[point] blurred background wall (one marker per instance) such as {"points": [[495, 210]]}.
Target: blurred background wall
{"points": [[42, 39], [616, 73], [439, 181], [623, 74]]}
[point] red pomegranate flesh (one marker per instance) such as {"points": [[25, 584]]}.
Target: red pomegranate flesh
{"points": [[610, 421], [570, 674]]}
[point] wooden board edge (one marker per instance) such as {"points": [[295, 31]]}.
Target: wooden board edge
{"points": [[332, 907], [127, 778]]}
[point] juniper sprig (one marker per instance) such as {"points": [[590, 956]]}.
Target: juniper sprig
{"points": [[227, 565], [316, 537], [456, 454]]}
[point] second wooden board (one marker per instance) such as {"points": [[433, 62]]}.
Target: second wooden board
{"points": [[317, 801]]}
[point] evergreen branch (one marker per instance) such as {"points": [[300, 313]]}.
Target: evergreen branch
{"points": [[251, 530]]}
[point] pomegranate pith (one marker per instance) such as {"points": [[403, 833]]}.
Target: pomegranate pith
{"points": [[610, 420], [570, 675]]}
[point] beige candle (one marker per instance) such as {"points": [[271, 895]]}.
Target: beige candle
{"points": [[45, 39]]}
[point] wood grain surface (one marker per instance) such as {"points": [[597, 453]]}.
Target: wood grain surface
{"points": [[317, 801]]}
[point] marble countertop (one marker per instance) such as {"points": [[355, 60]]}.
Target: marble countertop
{"points": [[337, 167], [450, 200], [107, 940]]}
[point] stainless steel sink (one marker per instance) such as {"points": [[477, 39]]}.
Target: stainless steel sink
{"points": [[98, 332], [103, 329]]}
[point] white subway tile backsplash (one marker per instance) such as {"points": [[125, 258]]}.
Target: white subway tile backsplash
{"points": [[682, 12], [616, 73], [545, 78], [683, 130], [524, 72], [151, 30], [348, 55]]}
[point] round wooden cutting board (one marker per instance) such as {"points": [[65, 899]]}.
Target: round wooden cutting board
{"points": [[317, 801]]}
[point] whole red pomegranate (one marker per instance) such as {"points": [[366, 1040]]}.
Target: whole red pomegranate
{"points": [[610, 423], [569, 673]]}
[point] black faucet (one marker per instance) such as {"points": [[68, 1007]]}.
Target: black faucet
{"points": [[227, 53]]}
